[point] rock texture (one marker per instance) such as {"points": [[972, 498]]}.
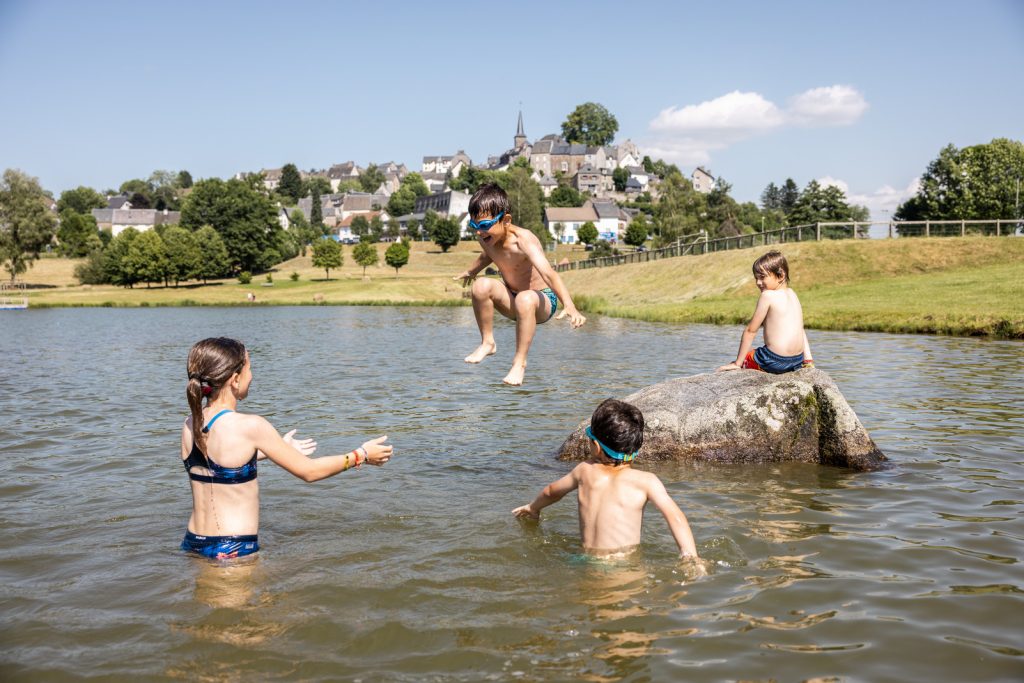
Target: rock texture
{"points": [[747, 417]]}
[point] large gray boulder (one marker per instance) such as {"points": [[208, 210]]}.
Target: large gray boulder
{"points": [[746, 416]]}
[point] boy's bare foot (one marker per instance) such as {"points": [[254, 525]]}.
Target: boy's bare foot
{"points": [[515, 375], [485, 349]]}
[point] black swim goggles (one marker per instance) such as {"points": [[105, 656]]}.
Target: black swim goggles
{"points": [[484, 226]]}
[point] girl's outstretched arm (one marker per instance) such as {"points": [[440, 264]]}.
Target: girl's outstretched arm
{"points": [[552, 493], [292, 459]]}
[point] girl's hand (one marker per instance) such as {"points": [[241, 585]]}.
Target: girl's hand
{"points": [[466, 278], [377, 452], [730, 366], [304, 446], [526, 511]]}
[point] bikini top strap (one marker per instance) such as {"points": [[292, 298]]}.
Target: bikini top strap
{"points": [[206, 429]]}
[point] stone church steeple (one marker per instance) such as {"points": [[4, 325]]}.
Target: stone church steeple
{"points": [[520, 139]]}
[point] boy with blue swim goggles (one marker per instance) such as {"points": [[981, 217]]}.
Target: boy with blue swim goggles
{"points": [[485, 225], [613, 454]]}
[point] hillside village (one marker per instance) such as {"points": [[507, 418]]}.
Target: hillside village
{"points": [[589, 170]]}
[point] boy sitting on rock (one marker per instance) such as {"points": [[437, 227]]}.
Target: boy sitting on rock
{"points": [[612, 495], [785, 343]]}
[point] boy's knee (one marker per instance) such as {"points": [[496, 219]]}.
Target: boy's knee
{"points": [[526, 302], [481, 288]]}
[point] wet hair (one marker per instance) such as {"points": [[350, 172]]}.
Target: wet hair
{"points": [[489, 199], [211, 363], [772, 262], [618, 425]]}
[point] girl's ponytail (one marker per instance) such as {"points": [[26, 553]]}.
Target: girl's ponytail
{"points": [[211, 363]]}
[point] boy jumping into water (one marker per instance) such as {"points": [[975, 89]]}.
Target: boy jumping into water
{"points": [[785, 343], [531, 288], [612, 495]]}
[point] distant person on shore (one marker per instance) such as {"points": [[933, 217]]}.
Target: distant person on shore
{"points": [[220, 449], [778, 309], [612, 495], [530, 290]]}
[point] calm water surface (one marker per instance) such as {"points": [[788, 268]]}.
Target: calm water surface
{"points": [[418, 572]]}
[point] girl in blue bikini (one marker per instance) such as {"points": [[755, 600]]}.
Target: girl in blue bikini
{"points": [[220, 449]]}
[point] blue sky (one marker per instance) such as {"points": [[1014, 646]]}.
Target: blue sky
{"points": [[863, 94]]}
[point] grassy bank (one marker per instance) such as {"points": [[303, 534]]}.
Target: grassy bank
{"points": [[961, 286]]}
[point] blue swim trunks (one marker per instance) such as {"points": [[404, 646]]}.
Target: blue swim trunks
{"points": [[220, 547], [764, 359], [552, 299]]}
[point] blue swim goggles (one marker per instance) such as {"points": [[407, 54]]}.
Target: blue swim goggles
{"points": [[614, 455], [484, 226]]}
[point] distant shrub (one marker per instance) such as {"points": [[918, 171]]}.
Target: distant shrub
{"points": [[245, 277], [270, 278], [294, 276]]}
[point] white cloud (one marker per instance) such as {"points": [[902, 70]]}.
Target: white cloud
{"points": [[882, 202], [690, 133], [836, 105]]}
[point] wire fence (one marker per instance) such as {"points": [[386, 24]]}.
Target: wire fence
{"points": [[814, 232]]}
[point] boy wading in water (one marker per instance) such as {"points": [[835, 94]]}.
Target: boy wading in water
{"points": [[785, 343], [612, 495], [530, 289]]}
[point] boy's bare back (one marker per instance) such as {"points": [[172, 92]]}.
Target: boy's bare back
{"points": [[611, 506], [784, 322]]}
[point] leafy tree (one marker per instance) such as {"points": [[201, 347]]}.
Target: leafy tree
{"points": [[636, 232], [117, 267], [147, 257], [602, 248], [371, 178], [183, 256], [430, 219], [401, 202], [360, 226], [526, 200], [77, 234], [678, 211], [980, 182], [165, 190], [139, 193], [91, 271], [771, 198], [184, 180], [412, 229], [214, 261], [302, 230], [365, 254], [446, 233], [246, 220], [414, 182], [397, 256], [648, 164], [789, 197], [620, 177], [587, 233], [290, 186], [591, 124], [26, 224], [82, 200], [327, 254], [316, 212], [565, 195], [376, 228], [349, 186], [318, 183]]}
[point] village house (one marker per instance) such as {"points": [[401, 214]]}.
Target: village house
{"points": [[118, 220], [702, 180], [565, 222], [118, 201], [444, 165], [611, 220], [340, 173]]}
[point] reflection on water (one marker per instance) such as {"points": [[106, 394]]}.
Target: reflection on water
{"points": [[419, 572]]}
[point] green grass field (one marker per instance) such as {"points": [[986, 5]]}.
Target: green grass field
{"points": [[961, 286]]}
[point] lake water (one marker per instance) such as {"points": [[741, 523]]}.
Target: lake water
{"points": [[418, 572]]}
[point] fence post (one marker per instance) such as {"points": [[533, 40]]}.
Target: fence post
{"points": [[999, 232], [963, 227], [890, 229], [927, 228], [817, 232]]}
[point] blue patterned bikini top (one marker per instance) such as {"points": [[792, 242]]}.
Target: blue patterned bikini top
{"points": [[221, 475]]}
